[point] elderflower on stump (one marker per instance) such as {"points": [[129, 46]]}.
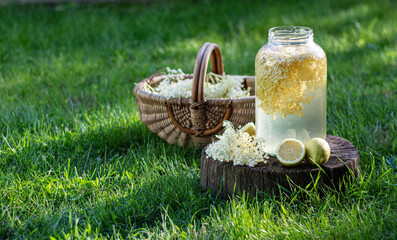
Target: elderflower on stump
{"points": [[237, 147]]}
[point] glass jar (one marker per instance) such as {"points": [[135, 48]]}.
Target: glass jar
{"points": [[290, 87]]}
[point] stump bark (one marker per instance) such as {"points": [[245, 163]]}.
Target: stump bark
{"points": [[225, 179]]}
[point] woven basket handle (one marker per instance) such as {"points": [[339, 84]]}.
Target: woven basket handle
{"points": [[207, 51], [200, 68]]}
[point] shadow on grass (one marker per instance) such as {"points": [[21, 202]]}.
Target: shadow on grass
{"points": [[122, 176]]}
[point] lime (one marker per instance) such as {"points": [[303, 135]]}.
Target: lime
{"points": [[317, 151], [290, 152]]}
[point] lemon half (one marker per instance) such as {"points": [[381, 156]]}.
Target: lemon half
{"points": [[249, 128], [290, 152]]}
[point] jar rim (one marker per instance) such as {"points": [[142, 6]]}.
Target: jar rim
{"points": [[290, 34]]}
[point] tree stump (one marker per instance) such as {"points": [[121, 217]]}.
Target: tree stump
{"points": [[225, 179]]}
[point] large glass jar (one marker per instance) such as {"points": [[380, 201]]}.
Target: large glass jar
{"points": [[290, 87]]}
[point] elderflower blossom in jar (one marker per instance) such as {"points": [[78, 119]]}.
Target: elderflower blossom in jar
{"points": [[290, 87]]}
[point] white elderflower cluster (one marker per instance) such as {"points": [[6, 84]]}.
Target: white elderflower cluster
{"points": [[174, 85], [286, 80], [237, 147], [216, 86]]}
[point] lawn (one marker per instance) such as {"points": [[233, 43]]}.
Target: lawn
{"points": [[77, 162]]}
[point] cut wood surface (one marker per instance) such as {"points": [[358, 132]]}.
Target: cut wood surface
{"points": [[225, 179]]}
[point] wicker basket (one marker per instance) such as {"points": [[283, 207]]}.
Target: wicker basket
{"points": [[197, 120]]}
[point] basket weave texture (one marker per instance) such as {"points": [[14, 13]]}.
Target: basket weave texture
{"points": [[197, 120]]}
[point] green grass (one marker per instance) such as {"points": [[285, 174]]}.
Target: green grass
{"points": [[76, 162]]}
